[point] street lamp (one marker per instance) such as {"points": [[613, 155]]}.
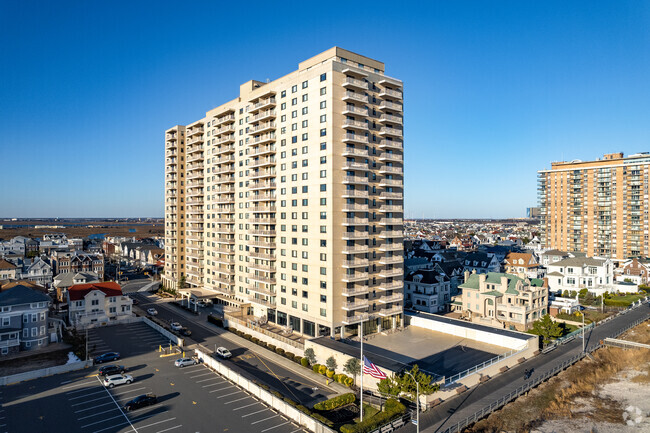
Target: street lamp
{"points": [[583, 331], [417, 401]]}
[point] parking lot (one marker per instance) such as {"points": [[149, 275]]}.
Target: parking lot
{"points": [[191, 398]]}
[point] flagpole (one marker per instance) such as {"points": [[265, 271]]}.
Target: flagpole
{"points": [[362, 364]]}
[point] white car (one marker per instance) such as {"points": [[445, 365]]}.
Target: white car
{"points": [[223, 352], [182, 362], [176, 326], [152, 311], [117, 379]]}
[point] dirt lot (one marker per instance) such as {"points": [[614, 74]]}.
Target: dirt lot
{"points": [[53, 355], [109, 227], [609, 393]]}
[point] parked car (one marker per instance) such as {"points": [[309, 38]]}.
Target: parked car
{"points": [[183, 362], [176, 326], [184, 331], [223, 352], [117, 379], [203, 304], [111, 369], [152, 311], [105, 357], [143, 400]]}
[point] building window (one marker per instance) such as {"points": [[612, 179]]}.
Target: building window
{"points": [[323, 77]]}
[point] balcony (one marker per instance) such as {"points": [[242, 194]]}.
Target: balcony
{"points": [[261, 255], [391, 311], [387, 156], [261, 220], [262, 162], [263, 197], [260, 267], [351, 151], [391, 144], [355, 291], [349, 320], [397, 297], [353, 193], [355, 221], [391, 170], [355, 263], [226, 139], [391, 234], [355, 138], [392, 260], [391, 247], [195, 131], [356, 305], [223, 149], [224, 159], [228, 129], [226, 281], [355, 97], [387, 105], [392, 182], [263, 139], [228, 169], [354, 207], [261, 174], [355, 180], [388, 273], [357, 235], [355, 124], [228, 118], [261, 185], [350, 165], [260, 301], [262, 244], [261, 278], [357, 276], [263, 209], [263, 127], [262, 150], [356, 249], [389, 118], [390, 208], [388, 81], [264, 103], [266, 233], [353, 83], [264, 115], [224, 220], [359, 111], [391, 196], [390, 93]]}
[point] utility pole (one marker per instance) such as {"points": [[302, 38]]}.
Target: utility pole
{"points": [[86, 344], [417, 402], [583, 332]]}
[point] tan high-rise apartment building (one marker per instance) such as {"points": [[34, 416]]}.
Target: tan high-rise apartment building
{"points": [[287, 201], [596, 207]]}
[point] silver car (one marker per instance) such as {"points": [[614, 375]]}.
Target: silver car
{"points": [[117, 379], [182, 362]]}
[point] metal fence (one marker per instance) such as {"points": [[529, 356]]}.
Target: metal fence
{"points": [[532, 383], [489, 362]]}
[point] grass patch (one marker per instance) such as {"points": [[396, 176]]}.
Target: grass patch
{"points": [[368, 412], [628, 299], [572, 318]]}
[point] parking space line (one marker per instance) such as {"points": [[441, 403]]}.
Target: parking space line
{"points": [[113, 426], [157, 422], [265, 419], [239, 399], [101, 421], [211, 378], [118, 406], [221, 389], [170, 428], [189, 370], [279, 425], [202, 374], [252, 404], [95, 414], [253, 413], [232, 393], [91, 408], [131, 391], [88, 401], [213, 384]]}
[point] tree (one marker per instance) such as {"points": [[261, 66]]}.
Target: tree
{"points": [[389, 386], [547, 328], [181, 283], [352, 367], [310, 355], [405, 384], [331, 363]]}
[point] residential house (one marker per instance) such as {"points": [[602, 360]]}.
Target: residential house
{"points": [[503, 300], [453, 270], [523, 265], [563, 305], [635, 270], [576, 273], [97, 304], [14, 246], [36, 270], [552, 256], [63, 282], [74, 262], [427, 290], [23, 319], [8, 271], [481, 263], [415, 263]]}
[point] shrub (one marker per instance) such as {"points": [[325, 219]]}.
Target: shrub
{"points": [[322, 369], [297, 359], [392, 409], [333, 403], [271, 347], [329, 373], [316, 368], [289, 355], [215, 320], [262, 343], [337, 378], [279, 351], [348, 382], [320, 418], [255, 340]]}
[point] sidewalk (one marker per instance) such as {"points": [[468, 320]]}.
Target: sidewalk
{"points": [[201, 320]]}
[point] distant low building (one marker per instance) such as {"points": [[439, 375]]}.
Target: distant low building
{"points": [[97, 304], [8, 271], [563, 305], [74, 262], [576, 273], [481, 263], [551, 256], [636, 271], [427, 290], [503, 300], [523, 265], [63, 282]]}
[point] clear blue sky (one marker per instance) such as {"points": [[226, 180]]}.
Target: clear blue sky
{"points": [[494, 91]]}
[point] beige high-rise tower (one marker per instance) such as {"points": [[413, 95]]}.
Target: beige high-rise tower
{"points": [[597, 207], [287, 202]]}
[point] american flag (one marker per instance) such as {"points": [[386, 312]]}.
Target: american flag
{"points": [[372, 369]]}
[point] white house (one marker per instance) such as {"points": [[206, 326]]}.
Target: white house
{"points": [[427, 290], [576, 273], [97, 304]]}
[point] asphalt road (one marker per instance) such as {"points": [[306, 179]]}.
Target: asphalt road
{"points": [[457, 409], [250, 364], [191, 399]]}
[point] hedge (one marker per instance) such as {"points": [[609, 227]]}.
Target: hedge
{"points": [[338, 401], [617, 303], [392, 409], [322, 369], [279, 351], [329, 373], [215, 320], [316, 368], [348, 381]]}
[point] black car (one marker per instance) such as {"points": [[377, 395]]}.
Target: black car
{"points": [[111, 369], [186, 332], [141, 401], [105, 357]]}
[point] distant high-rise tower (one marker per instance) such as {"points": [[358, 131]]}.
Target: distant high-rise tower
{"points": [[287, 201], [596, 207]]}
